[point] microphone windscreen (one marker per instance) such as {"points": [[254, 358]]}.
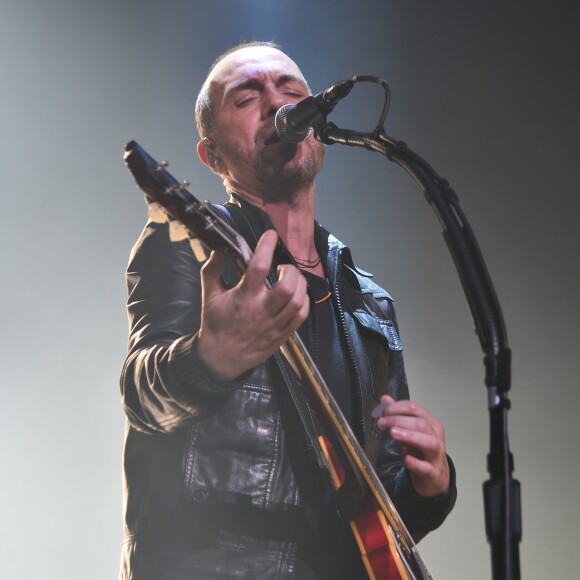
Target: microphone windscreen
{"points": [[285, 132]]}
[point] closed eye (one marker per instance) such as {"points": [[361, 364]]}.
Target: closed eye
{"points": [[245, 101]]}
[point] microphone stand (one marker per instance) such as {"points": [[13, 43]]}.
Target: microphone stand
{"points": [[501, 492]]}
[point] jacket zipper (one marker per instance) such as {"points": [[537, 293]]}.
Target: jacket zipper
{"points": [[350, 350]]}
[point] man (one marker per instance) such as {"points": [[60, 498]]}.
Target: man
{"points": [[221, 475]]}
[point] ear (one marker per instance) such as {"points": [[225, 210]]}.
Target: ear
{"points": [[208, 156]]}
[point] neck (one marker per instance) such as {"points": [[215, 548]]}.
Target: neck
{"points": [[293, 220]]}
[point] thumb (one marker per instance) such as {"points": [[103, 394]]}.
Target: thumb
{"points": [[259, 265], [210, 276]]}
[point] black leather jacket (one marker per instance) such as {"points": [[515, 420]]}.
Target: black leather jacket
{"points": [[193, 445]]}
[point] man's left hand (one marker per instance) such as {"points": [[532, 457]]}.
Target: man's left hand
{"points": [[421, 441]]}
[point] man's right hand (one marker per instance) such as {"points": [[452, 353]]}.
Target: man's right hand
{"points": [[243, 326]]}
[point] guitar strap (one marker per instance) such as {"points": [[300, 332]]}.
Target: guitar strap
{"points": [[280, 366]]}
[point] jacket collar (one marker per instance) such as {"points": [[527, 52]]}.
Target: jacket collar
{"points": [[254, 222]]}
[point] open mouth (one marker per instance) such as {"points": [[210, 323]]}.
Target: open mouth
{"points": [[268, 137], [273, 138]]}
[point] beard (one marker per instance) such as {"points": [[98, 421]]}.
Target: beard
{"points": [[274, 170], [280, 170]]}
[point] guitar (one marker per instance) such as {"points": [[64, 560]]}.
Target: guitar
{"points": [[387, 549]]}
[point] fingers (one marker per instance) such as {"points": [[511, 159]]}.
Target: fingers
{"points": [[421, 442], [259, 265], [404, 407], [249, 321], [412, 424], [287, 301]]}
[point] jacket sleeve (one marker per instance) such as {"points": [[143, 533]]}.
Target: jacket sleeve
{"points": [[420, 514], [163, 383]]}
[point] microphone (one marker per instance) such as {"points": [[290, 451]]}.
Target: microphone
{"points": [[294, 122]]}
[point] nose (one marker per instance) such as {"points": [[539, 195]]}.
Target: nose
{"points": [[273, 100]]}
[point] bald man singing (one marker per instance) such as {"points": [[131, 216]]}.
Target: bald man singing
{"points": [[221, 477]]}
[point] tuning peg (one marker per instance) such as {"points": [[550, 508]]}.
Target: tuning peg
{"points": [[161, 166], [156, 213], [177, 231], [198, 249]]}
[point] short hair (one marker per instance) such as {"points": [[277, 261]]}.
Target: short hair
{"points": [[203, 104]]}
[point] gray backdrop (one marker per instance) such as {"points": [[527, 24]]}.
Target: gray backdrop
{"points": [[487, 92]]}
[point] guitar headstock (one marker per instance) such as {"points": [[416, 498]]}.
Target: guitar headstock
{"points": [[188, 217]]}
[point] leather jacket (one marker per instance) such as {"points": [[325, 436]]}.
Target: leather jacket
{"points": [[194, 445]]}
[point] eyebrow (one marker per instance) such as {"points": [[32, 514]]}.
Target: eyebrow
{"points": [[255, 83]]}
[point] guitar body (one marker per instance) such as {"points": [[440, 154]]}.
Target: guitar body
{"points": [[370, 529], [377, 547], [387, 549]]}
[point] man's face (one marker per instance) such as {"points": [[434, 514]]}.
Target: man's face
{"points": [[247, 88]]}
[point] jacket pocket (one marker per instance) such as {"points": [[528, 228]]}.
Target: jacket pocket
{"points": [[383, 328], [238, 452]]}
